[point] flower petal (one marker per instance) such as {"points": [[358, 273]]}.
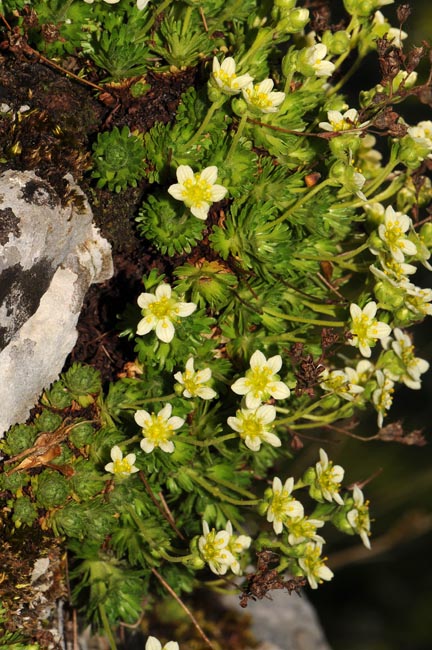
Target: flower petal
{"points": [[142, 418], [165, 330], [209, 174], [175, 422], [241, 386], [257, 360], [274, 363], [183, 173], [167, 446], [165, 412], [145, 299], [176, 191], [279, 390], [146, 445], [145, 325], [201, 212], [185, 309], [116, 453]]}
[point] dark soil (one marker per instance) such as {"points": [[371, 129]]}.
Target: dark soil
{"points": [[55, 138]]}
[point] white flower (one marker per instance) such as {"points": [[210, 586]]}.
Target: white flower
{"points": [[328, 478], [161, 310], [344, 383], [260, 96], [194, 380], [382, 397], [365, 329], [226, 78], [282, 506], [364, 369], [252, 425], [213, 547], [315, 57], [236, 545], [355, 183], [358, 517], [413, 367], [418, 300], [158, 429], [312, 564], [393, 34], [197, 191], [154, 644], [109, 2], [392, 271], [142, 4], [391, 232], [338, 122], [120, 466], [304, 529], [423, 132], [261, 381]]}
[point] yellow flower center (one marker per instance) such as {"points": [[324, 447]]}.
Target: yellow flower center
{"points": [[361, 327], [279, 504], [190, 382], [259, 99], [258, 379], [122, 466], [196, 191], [158, 430], [252, 427], [393, 234], [162, 308], [212, 546], [407, 353], [327, 480], [227, 79]]}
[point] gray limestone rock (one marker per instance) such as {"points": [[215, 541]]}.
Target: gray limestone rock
{"points": [[283, 622], [49, 256]]}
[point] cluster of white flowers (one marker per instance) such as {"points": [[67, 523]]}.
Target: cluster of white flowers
{"points": [[254, 423], [286, 513], [365, 329], [259, 96], [222, 549]]}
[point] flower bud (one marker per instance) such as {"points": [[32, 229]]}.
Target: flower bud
{"points": [[337, 43], [344, 146], [294, 22], [375, 243], [406, 199], [412, 152], [309, 476], [340, 521], [239, 106], [403, 317], [285, 4], [360, 7], [194, 562], [213, 91], [389, 297], [289, 63]]}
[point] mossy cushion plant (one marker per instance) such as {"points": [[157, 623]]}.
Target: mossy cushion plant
{"points": [[292, 225]]}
